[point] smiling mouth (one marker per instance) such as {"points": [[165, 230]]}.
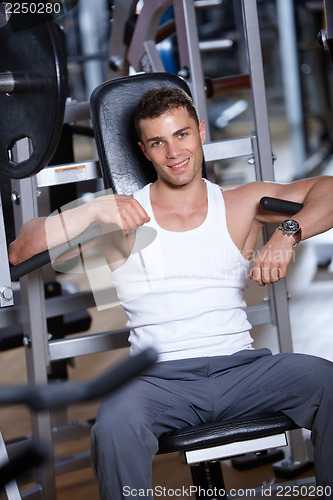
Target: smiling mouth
{"points": [[179, 166]]}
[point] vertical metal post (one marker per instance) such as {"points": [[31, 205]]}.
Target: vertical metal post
{"points": [[190, 56], [118, 64], [256, 72], [90, 21], [35, 328], [292, 82], [6, 293], [278, 295]]}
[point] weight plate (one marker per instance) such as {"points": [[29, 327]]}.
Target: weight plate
{"points": [[31, 117]]}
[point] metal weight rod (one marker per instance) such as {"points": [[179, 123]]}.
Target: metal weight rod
{"points": [[7, 83], [10, 83], [33, 91]]}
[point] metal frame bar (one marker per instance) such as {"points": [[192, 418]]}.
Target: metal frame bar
{"points": [[292, 82], [190, 56], [258, 90], [11, 489], [65, 174], [54, 306], [229, 148], [118, 64], [151, 61], [145, 29], [35, 329], [88, 344], [6, 292]]}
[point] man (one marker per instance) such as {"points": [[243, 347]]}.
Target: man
{"points": [[183, 294]]}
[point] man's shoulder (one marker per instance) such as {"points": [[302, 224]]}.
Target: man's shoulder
{"points": [[141, 190], [248, 189], [247, 196]]}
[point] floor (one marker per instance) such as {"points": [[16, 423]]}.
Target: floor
{"points": [[311, 314]]}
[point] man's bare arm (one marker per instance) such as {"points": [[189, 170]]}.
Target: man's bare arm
{"points": [[40, 234], [316, 216]]}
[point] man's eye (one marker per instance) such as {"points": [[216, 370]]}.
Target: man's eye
{"points": [[157, 143], [183, 134]]}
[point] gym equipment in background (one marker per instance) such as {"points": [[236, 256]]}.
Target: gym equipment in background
{"points": [[33, 91]]}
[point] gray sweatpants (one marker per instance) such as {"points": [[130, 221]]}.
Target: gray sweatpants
{"points": [[176, 394]]}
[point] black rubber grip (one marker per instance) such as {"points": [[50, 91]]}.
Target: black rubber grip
{"points": [[281, 206]]}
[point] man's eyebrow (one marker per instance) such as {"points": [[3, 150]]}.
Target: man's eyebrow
{"points": [[154, 139], [159, 138], [181, 130]]}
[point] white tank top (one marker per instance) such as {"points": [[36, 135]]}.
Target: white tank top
{"points": [[183, 293]]}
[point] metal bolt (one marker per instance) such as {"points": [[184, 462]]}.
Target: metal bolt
{"points": [[322, 39], [184, 73], [15, 197], [27, 341], [6, 293], [116, 63]]}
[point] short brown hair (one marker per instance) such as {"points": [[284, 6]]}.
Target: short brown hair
{"points": [[160, 100]]}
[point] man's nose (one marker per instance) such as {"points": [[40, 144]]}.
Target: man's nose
{"points": [[173, 150]]}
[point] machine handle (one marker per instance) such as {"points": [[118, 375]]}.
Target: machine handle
{"points": [[281, 206]]}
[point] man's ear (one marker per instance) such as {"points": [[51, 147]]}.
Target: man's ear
{"points": [[202, 131], [143, 149]]}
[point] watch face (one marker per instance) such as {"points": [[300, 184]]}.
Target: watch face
{"points": [[290, 226]]}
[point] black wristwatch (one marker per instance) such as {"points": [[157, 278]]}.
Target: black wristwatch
{"points": [[291, 227]]}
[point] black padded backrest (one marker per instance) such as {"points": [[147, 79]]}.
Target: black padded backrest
{"points": [[113, 103]]}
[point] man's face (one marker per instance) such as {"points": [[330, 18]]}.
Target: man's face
{"points": [[173, 143]]}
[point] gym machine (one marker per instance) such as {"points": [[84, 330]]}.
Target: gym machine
{"points": [[306, 81], [41, 351]]}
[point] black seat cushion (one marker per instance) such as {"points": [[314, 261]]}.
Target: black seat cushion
{"points": [[223, 432]]}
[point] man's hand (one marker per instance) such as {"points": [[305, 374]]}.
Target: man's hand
{"points": [[270, 264], [122, 210], [29, 241]]}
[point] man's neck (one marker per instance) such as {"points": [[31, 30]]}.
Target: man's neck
{"points": [[179, 208], [167, 195]]}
